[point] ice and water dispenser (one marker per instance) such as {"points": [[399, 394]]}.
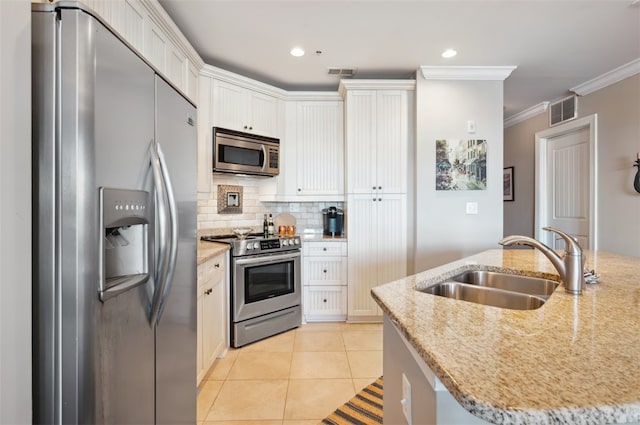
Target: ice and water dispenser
{"points": [[126, 217]]}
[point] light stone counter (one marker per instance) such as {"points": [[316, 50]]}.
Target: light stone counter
{"points": [[208, 250], [575, 360]]}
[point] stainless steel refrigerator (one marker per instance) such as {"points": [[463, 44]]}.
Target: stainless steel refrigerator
{"points": [[114, 197]]}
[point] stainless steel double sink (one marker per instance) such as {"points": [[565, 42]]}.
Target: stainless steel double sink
{"points": [[496, 289]]}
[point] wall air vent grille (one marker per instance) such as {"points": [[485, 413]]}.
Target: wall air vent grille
{"points": [[342, 72], [563, 110]]}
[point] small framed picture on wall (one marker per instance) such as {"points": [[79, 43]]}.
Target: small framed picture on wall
{"points": [[507, 182]]}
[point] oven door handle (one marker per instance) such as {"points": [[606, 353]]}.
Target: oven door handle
{"points": [[265, 259]]}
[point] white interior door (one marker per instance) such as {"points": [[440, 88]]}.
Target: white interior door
{"points": [[568, 197], [566, 182]]}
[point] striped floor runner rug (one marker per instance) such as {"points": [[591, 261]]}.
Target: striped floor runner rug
{"points": [[363, 409]]}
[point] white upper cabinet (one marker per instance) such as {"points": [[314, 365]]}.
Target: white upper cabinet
{"points": [[193, 81], [377, 243], [319, 148], [177, 67], [133, 23], [155, 45], [311, 150], [242, 109], [377, 135], [149, 29]]}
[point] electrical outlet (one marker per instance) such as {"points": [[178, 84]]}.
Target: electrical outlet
{"points": [[472, 208], [406, 398], [294, 207]]}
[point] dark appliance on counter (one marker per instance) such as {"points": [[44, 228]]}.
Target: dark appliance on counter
{"points": [[245, 153], [332, 221], [266, 289]]}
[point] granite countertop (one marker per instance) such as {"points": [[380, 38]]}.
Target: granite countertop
{"points": [[575, 360], [208, 250]]}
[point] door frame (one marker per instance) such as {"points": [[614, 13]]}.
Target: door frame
{"points": [[542, 139]]}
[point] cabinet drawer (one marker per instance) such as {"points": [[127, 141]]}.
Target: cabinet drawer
{"points": [[325, 271], [325, 302], [324, 248], [212, 271]]}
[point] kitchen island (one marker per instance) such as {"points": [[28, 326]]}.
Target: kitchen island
{"points": [[574, 360]]}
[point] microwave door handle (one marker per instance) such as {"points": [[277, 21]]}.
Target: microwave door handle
{"points": [[263, 157], [173, 235]]}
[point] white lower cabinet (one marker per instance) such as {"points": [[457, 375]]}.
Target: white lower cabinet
{"points": [[324, 278], [325, 303], [212, 312], [377, 249]]}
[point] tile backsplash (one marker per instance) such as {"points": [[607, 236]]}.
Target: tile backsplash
{"points": [[308, 216]]}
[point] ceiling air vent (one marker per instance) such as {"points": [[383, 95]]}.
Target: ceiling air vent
{"points": [[563, 110], [341, 72]]}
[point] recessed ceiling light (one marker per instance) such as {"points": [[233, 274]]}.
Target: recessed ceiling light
{"points": [[449, 53], [297, 52]]}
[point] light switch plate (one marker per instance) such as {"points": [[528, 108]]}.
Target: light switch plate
{"points": [[471, 126], [472, 208]]}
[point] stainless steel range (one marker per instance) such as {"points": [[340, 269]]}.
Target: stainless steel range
{"points": [[265, 286]]}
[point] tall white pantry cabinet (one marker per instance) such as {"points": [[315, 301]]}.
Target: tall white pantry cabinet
{"points": [[377, 137]]}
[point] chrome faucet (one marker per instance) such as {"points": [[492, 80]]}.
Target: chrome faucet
{"points": [[569, 266]]}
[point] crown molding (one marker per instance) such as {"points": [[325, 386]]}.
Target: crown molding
{"points": [[478, 73], [314, 96], [608, 78], [375, 85], [526, 114], [233, 78]]}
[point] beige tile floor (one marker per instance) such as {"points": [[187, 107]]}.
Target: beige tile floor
{"points": [[295, 378]]}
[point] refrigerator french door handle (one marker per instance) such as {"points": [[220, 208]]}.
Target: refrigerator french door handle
{"points": [[162, 265], [173, 222]]}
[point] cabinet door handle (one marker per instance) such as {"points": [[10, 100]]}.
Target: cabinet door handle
{"points": [[374, 188], [208, 291], [324, 301], [324, 271], [379, 199], [245, 127], [324, 249], [379, 187], [374, 199], [299, 190], [217, 265]]}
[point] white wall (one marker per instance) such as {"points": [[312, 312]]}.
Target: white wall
{"points": [[444, 232], [15, 212], [618, 132]]}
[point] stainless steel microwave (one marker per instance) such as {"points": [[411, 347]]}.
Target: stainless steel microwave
{"points": [[243, 153]]}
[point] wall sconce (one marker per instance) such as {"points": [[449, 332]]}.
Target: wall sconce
{"points": [[636, 182]]}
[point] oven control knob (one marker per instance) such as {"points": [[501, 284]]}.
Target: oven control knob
{"points": [[285, 242], [256, 245], [249, 246]]}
